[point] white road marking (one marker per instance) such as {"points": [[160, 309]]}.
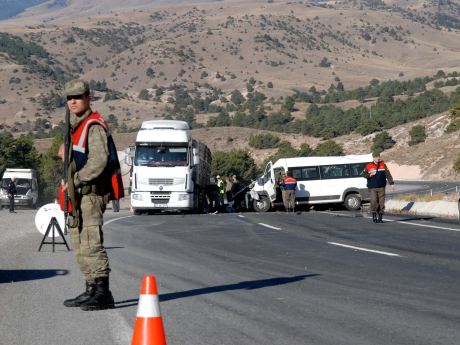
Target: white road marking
{"points": [[395, 221], [418, 224], [335, 214], [241, 216], [269, 226], [115, 219], [428, 226], [120, 330], [363, 249]]}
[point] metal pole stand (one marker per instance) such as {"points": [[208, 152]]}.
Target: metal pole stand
{"points": [[53, 226]]}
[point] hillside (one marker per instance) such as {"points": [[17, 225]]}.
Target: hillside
{"points": [[142, 59], [431, 160]]}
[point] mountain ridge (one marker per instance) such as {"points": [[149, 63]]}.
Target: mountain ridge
{"points": [[213, 49]]}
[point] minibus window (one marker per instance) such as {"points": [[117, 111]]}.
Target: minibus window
{"points": [[335, 171], [305, 173], [356, 169]]}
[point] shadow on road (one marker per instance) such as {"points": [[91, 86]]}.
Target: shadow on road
{"points": [[13, 276], [246, 285], [416, 218]]}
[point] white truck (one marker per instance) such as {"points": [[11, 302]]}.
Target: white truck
{"points": [[26, 187], [320, 180], [170, 170]]}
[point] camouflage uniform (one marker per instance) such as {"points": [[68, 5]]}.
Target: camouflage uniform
{"points": [[87, 238], [89, 190]]}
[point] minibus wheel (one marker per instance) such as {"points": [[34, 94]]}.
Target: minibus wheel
{"points": [[352, 202], [261, 205]]}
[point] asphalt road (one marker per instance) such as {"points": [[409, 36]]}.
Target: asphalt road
{"points": [[424, 187], [275, 278]]}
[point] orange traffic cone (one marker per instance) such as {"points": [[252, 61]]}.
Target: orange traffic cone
{"points": [[148, 327]]}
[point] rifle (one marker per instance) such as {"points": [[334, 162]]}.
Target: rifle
{"points": [[66, 162]]}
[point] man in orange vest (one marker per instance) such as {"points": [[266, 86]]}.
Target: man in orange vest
{"points": [[88, 178], [289, 186], [377, 175]]}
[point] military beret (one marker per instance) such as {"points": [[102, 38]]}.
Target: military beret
{"points": [[76, 87]]}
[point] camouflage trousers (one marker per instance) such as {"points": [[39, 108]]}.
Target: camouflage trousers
{"points": [[377, 199], [288, 199], [88, 240]]}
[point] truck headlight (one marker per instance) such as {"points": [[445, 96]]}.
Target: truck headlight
{"points": [[137, 196], [183, 197]]}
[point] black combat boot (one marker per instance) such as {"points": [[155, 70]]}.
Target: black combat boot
{"points": [[379, 220], [77, 301], [374, 217], [102, 298]]}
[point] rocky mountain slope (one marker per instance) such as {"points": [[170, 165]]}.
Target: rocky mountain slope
{"points": [[213, 47]]}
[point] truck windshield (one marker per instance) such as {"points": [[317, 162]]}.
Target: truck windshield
{"points": [[22, 185], [160, 156]]}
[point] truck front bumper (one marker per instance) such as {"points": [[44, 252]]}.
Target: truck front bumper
{"points": [[164, 201]]}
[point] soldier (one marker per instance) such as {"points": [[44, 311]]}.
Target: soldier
{"points": [[11, 193], [221, 186], [377, 175], [289, 186], [89, 185]]}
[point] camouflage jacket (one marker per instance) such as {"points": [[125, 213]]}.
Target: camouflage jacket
{"points": [[98, 153]]}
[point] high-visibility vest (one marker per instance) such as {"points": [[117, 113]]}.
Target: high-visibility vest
{"points": [[289, 183], [379, 178], [112, 173], [220, 185]]}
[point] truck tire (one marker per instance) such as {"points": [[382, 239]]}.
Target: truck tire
{"points": [[261, 205], [352, 202]]}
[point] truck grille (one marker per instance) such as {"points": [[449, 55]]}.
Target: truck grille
{"points": [[160, 197], [161, 181]]}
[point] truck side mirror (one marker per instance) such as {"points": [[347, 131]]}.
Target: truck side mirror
{"points": [[128, 159], [196, 157]]}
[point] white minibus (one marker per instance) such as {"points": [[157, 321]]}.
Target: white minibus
{"points": [[320, 180]]}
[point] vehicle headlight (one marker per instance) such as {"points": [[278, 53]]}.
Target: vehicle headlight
{"points": [[3, 194], [137, 196], [183, 197]]}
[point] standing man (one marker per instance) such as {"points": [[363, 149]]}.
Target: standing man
{"points": [[11, 193], [89, 185], [221, 187], [288, 190], [377, 175]]}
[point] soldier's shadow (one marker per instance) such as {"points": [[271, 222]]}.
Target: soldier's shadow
{"points": [[245, 285], [14, 276]]}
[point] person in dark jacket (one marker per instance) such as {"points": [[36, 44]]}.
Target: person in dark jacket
{"points": [[377, 174], [11, 193]]}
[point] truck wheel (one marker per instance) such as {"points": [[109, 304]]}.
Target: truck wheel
{"points": [[261, 205], [352, 202]]}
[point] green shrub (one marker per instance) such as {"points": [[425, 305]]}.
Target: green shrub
{"points": [[264, 141], [329, 148], [417, 135], [382, 141], [457, 164]]}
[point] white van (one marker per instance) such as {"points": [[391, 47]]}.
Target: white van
{"points": [[320, 180], [26, 187]]}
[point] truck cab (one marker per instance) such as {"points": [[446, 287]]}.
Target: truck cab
{"points": [[169, 168], [26, 186]]}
